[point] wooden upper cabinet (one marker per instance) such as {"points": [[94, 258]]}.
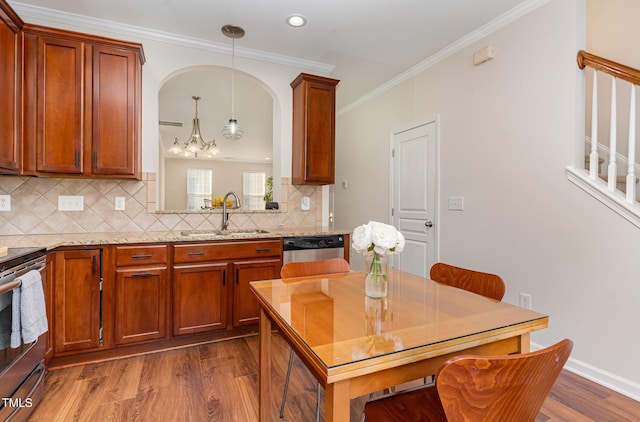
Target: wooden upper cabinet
{"points": [[10, 88], [82, 105], [59, 104], [313, 148], [116, 108]]}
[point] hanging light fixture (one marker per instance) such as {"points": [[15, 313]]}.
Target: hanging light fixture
{"points": [[232, 130], [196, 142]]}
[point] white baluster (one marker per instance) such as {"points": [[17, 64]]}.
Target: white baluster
{"points": [[612, 169], [631, 177], [594, 164]]}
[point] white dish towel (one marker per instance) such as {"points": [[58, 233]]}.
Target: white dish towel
{"points": [[29, 319]]}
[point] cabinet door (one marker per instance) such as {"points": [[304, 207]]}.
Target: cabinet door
{"points": [[10, 87], [199, 298], [320, 149], [60, 101], [246, 309], [141, 304], [313, 148], [77, 300], [115, 108]]}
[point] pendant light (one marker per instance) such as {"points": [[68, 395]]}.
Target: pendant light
{"points": [[232, 130]]}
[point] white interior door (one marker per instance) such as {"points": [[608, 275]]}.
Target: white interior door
{"points": [[414, 195]]}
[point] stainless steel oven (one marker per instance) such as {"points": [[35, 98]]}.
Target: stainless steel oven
{"points": [[21, 368]]}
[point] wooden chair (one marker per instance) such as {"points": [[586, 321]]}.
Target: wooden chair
{"points": [[301, 269], [485, 284], [308, 268], [479, 388]]}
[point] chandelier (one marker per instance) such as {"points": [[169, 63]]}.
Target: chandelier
{"points": [[232, 130], [196, 142]]}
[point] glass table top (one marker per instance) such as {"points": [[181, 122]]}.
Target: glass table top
{"points": [[332, 316]]}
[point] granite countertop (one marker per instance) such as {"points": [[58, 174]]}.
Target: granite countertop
{"points": [[52, 241]]}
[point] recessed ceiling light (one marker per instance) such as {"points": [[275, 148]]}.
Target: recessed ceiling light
{"points": [[296, 20]]}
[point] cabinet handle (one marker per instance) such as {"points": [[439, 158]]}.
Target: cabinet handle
{"points": [[94, 265], [95, 160], [195, 253], [144, 255], [224, 277], [77, 159], [237, 275], [147, 274], [263, 249]]}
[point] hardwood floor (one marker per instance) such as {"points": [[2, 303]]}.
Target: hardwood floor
{"points": [[218, 382]]}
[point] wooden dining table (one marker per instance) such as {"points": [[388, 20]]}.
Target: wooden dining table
{"points": [[354, 345]]}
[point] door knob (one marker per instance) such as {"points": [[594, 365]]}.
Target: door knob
{"points": [[428, 223]]}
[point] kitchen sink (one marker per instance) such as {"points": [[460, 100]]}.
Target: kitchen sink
{"points": [[237, 232]]}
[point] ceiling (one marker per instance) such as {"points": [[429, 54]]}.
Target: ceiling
{"points": [[367, 42]]}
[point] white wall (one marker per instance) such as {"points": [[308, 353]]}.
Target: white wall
{"points": [[607, 37], [508, 130]]}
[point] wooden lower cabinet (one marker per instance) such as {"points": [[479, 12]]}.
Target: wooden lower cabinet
{"points": [[108, 301], [77, 324], [141, 304], [199, 297], [47, 284], [246, 309], [141, 293], [211, 283]]}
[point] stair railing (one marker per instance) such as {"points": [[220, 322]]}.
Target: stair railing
{"points": [[631, 75]]}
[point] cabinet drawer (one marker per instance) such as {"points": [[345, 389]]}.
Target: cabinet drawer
{"points": [[141, 255], [226, 250]]}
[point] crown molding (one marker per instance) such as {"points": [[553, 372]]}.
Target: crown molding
{"points": [[55, 17], [480, 33]]}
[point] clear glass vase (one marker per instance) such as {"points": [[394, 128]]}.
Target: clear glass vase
{"points": [[376, 281]]}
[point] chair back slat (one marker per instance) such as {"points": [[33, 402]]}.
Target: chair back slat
{"points": [[307, 268], [500, 388], [485, 284]]}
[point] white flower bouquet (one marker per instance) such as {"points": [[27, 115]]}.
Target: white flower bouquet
{"points": [[378, 239]]}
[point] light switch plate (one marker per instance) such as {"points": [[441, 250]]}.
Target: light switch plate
{"points": [[5, 202], [305, 203], [119, 203]]}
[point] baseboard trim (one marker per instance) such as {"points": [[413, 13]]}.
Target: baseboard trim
{"points": [[611, 381]]}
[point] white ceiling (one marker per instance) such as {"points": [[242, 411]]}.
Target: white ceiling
{"points": [[369, 42]]}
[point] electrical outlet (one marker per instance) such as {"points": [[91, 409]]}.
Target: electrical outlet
{"points": [[456, 203], [70, 203], [5, 202], [525, 301], [119, 203]]}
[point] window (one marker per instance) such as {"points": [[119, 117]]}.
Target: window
{"points": [[199, 187], [253, 189]]}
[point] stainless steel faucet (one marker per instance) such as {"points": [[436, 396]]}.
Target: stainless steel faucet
{"points": [[225, 216]]}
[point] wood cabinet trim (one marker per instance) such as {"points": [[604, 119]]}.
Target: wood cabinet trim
{"points": [[216, 251], [141, 255], [93, 39], [11, 57]]}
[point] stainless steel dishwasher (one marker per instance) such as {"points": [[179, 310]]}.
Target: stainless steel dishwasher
{"points": [[312, 248]]}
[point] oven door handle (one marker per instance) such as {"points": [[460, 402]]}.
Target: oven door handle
{"points": [[10, 286]]}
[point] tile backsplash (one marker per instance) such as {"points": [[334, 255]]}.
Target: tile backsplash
{"points": [[34, 208]]}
